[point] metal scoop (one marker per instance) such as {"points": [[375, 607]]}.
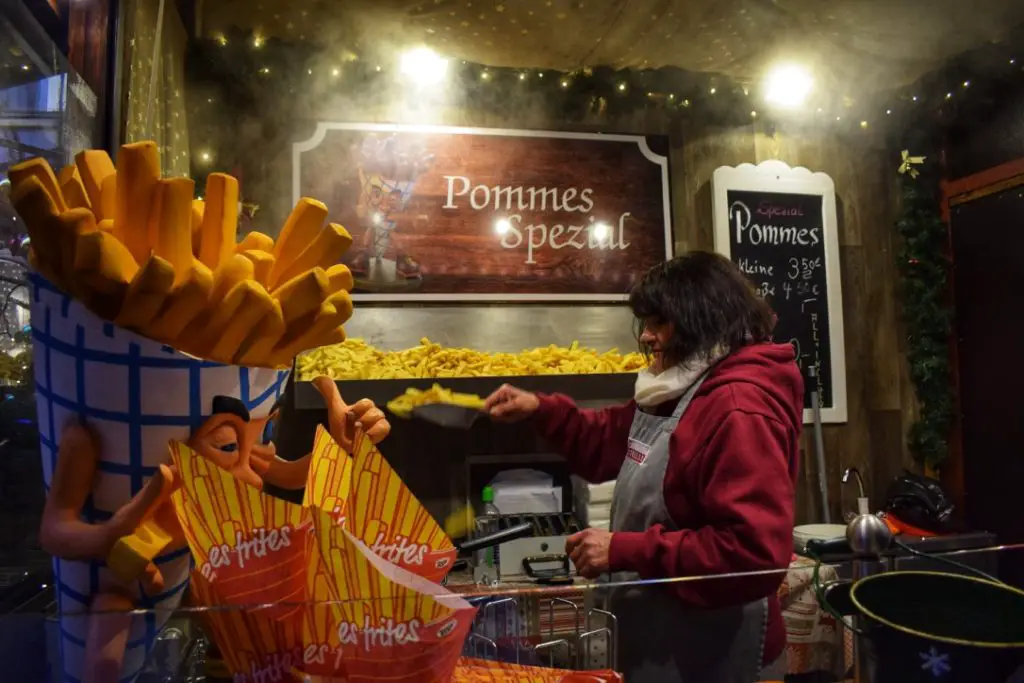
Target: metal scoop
{"points": [[448, 415]]}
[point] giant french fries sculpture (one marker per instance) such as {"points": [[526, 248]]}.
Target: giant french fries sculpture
{"points": [[149, 325]]}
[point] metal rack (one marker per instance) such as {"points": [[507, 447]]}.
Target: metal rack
{"points": [[507, 629]]}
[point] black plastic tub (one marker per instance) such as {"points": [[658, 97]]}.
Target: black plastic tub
{"points": [[932, 627]]}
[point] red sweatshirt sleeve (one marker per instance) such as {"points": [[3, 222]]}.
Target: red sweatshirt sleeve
{"points": [[742, 480], [593, 442]]}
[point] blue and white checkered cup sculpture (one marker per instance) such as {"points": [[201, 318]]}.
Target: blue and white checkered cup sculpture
{"points": [[137, 395]]}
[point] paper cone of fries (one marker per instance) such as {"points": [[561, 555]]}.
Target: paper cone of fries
{"points": [[348, 614], [145, 312]]}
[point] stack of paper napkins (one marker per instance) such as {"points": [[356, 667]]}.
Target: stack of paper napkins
{"points": [[593, 503], [525, 491]]}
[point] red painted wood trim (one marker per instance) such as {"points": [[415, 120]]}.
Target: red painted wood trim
{"points": [[976, 181]]}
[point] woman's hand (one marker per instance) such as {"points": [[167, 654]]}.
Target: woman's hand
{"points": [[589, 551], [509, 404]]}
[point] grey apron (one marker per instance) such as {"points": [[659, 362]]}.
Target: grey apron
{"points": [[661, 639]]}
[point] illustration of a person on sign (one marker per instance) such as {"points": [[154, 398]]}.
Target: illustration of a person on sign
{"points": [[388, 171]]}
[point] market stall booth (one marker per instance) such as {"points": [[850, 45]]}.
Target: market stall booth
{"points": [[486, 208]]}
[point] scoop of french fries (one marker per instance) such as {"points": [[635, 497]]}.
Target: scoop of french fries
{"points": [[138, 250], [402, 405], [355, 359]]}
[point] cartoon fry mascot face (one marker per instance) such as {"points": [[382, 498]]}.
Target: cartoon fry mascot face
{"points": [[232, 436]]}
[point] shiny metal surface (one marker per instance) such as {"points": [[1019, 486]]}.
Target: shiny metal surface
{"points": [[868, 535]]}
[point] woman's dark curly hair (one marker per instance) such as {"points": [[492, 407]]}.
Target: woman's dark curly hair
{"points": [[709, 302]]}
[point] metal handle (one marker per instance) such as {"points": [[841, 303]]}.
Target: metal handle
{"points": [[533, 572], [504, 536]]}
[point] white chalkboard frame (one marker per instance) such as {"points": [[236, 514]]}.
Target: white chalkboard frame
{"points": [[777, 176]]}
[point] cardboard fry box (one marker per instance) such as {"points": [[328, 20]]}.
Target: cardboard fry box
{"points": [[137, 395]]}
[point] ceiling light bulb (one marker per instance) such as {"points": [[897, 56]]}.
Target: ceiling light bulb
{"points": [[423, 66], [788, 86]]}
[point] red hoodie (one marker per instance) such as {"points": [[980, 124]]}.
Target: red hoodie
{"points": [[729, 486]]}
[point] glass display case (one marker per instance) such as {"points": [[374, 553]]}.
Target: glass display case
{"points": [[530, 632]]}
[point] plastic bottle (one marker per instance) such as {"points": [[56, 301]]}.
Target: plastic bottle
{"points": [[485, 570]]}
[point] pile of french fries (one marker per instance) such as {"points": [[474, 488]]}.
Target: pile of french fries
{"points": [[355, 359], [137, 249], [402, 405]]}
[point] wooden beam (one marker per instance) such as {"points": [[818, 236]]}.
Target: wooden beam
{"points": [[1005, 184]]}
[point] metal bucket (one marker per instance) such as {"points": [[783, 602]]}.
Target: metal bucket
{"points": [[929, 627]]}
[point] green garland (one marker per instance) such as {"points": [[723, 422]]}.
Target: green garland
{"points": [[924, 265]]}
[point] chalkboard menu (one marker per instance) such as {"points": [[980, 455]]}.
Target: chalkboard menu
{"points": [[778, 225]]}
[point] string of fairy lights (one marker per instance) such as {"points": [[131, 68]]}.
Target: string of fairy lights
{"points": [[787, 94]]}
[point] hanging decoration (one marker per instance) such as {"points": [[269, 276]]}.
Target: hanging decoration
{"points": [[924, 266], [907, 166]]}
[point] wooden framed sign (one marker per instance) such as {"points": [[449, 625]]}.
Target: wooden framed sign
{"points": [[778, 224], [469, 214]]}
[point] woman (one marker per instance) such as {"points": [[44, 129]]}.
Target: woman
{"points": [[705, 459]]}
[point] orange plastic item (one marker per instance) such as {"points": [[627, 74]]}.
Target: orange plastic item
{"points": [[486, 671], [898, 526]]}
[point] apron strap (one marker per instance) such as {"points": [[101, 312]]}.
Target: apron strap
{"points": [[684, 403]]}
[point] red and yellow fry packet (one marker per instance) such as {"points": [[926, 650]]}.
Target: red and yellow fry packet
{"points": [[249, 546], [250, 553], [329, 481], [258, 642], [383, 622], [385, 515], [295, 594], [486, 671]]}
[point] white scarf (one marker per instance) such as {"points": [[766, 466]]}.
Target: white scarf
{"points": [[654, 389]]}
